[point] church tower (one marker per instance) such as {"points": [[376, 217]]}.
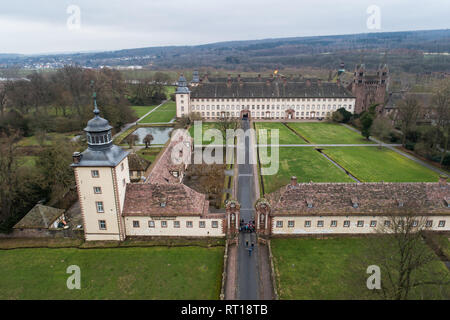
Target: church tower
{"points": [[182, 97], [101, 174]]}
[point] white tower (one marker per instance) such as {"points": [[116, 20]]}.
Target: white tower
{"points": [[182, 97], [101, 174]]}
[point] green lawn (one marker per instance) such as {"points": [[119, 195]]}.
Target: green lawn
{"points": [[28, 161], [165, 113], [149, 154], [205, 126], [323, 268], [371, 164], [47, 139], [142, 110], [116, 273], [327, 133], [306, 164], [286, 136]]}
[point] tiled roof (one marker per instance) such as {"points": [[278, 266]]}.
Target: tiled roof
{"points": [[39, 217], [160, 173], [143, 199], [370, 199], [270, 89]]}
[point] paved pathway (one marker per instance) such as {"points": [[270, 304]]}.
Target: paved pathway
{"points": [[389, 146], [248, 268]]}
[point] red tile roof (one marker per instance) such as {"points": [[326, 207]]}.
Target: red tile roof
{"points": [[361, 199], [143, 199]]}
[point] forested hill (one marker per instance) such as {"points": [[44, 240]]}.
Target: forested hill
{"points": [[254, 55]]}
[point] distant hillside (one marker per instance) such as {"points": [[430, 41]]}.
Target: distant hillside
{"points": [[406, 51]]}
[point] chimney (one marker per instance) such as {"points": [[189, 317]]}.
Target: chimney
{"points": [[442, 180], [76, 156], [308, 83], [293, 181]]}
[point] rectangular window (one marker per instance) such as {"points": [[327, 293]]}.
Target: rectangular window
{"points": [[429, 223], [151, 224], [373, 223], [415, 223], [102, 224], [387, 223], [163, 224], [95, 173], [279, 224], [188, 224], [360, 223], [135, 224], [100, 208], [121, 166], [176, 224], [441, 224], [97, 190], [291, 223], [320, 223], [347, 223], [215, 224], [333, 223], [202, 224], [308, 223]]}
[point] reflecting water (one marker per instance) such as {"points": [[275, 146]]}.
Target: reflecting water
{"points": [[160, 134]]}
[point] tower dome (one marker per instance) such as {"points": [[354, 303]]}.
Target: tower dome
{"points": [[182, 85], [98, 130]]}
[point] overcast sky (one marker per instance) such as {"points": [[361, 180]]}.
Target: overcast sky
{"points": [[45, 26]]}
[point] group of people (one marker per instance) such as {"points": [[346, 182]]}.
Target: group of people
{"points": [[247, 227]]}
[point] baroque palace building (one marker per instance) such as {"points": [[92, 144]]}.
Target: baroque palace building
{"points": [[279, 97], [113, 208]]}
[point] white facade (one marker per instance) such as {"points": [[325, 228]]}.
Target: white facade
{"points": [[263, 108], [183, 226], [296, 225], [101, 192]]}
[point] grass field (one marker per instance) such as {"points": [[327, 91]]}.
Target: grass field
{"points": [[118, 273], [165, 113], [322, 268], [286, 136], [371, 164], [205, 126], [327, 133], [47, 141], [306, 164], [149, 154], [142, 110]]}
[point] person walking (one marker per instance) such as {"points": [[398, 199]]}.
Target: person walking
{"points": [[246, 243], [250, 251], [253, 245]]}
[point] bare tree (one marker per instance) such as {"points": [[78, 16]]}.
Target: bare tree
{"points": [[409, 111], [441, 114], [405, 261], [148, 140], [225, 123], [381, 128], [131, 140]]}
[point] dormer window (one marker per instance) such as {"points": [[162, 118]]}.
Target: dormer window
{"points": [[355, 203], [400, 203], [309, 203], [162, 202], [175, 174]]}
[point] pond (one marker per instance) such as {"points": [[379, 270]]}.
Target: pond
{"points": [[160, 134]]}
